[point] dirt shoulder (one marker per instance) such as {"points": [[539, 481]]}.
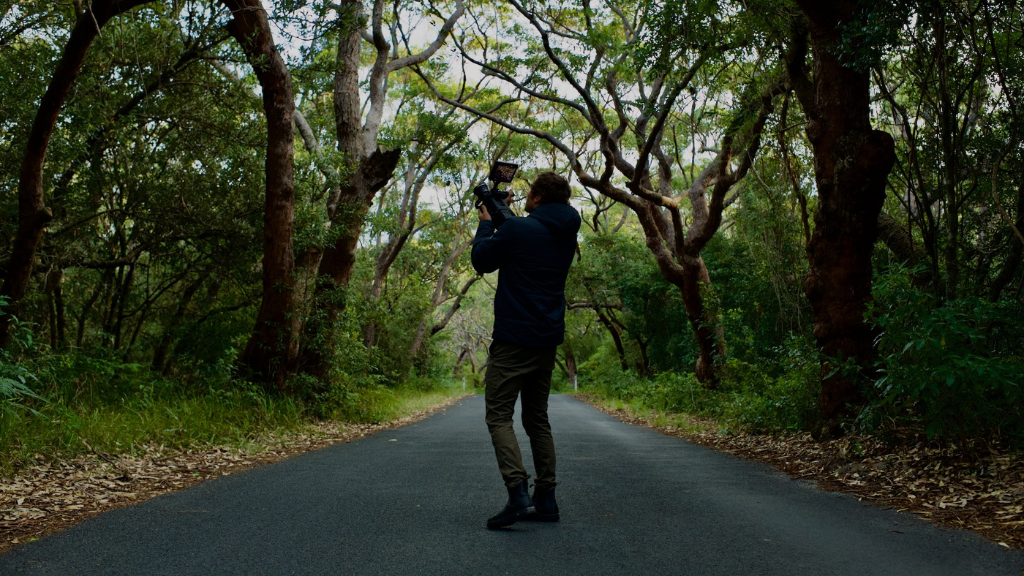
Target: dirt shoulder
{"points": [[979, 489], [53, 495]]}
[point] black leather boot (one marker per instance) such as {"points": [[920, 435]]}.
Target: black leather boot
{"points": [[545, 505], [519, 506]]}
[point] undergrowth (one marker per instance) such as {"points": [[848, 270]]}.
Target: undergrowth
{"points": [[747, 396], [82, 401]]}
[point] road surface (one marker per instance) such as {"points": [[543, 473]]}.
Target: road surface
{"points": [[415, 500]]}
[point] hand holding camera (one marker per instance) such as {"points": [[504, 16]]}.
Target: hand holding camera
{"points": [[492, 202]]}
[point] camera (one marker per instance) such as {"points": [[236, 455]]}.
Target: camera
{"points": [[494, 199]]}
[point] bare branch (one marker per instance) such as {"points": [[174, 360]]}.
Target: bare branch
{"points": [[595, 111], [553, 140], [442, 35]]}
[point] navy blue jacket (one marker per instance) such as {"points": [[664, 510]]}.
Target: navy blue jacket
{"points": [[533, 255]]}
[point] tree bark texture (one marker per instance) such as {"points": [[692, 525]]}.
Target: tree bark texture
{"points": [[851, 163], [33, 213], [273, 347]]}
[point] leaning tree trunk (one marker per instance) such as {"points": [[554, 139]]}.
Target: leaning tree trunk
{"points": [[851, 164], [273, 347], [357, 142], [33, 214], [348, 208]]}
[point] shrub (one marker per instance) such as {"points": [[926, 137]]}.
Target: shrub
{"points": [[954, 366], [15, 392]]}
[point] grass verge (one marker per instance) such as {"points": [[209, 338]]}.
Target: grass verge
{"points": [[48, 492]]}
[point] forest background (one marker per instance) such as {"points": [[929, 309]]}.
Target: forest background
{"points": [[219, 221]]}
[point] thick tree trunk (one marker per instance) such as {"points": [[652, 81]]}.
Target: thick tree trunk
{"points": [[357, 142], [851, 164], [348, 214], [33, 214], [273, 347]]}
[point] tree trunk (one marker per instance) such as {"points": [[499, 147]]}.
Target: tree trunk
{"points": [[371, 168], [851, 165], [51, 316], [33, 214], [109, 305], [122, 302], [570, 364], [899, 240], [273, 347], [709, 334], [58, 323], [348, 213], [616, 338], [160, 355], [348, 209], [1009, 269], [644, 367], [947, 126], [87, 307]]}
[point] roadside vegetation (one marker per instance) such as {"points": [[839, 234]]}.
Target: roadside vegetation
{"points": [[56, 406]]}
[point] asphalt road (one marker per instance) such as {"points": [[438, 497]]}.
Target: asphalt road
{"points": [[415, 500]]}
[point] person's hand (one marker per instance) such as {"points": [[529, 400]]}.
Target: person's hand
{"points": [[481, 211]]}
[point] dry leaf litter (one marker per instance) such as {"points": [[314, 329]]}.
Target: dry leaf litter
{"points": [[979, 489], [52, 495]]}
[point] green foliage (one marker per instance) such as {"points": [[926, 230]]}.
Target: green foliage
{"points": [[746, 397], [872, 31], [85, 399], [92, 399], [15, 378], [955, 365]]}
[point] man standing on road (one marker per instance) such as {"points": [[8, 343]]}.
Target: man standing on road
{"points": [[533, 255]]}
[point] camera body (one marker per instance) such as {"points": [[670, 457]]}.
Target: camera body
{"points": [[494, 199]]}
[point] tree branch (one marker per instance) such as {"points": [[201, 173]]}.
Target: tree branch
{"points": [[442, 35]]}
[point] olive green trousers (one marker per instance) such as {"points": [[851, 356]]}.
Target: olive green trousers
{"points": [[512, 371]]}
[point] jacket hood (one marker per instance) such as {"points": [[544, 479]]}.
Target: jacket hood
{"points": [[562, 219]]}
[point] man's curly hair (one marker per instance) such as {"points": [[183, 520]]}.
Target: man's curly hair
{"points": [[551, 188]]}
